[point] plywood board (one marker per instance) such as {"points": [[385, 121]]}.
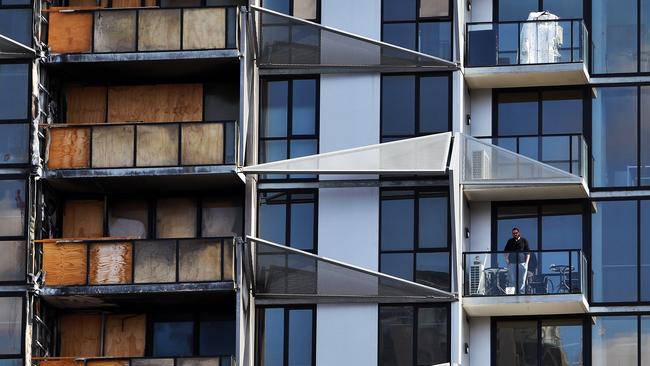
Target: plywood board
{"points": [[204, 28], [202, 143], [107, 363], [64, 362], [70, 32], [159, 30], [115, 31], [155, 261], [152, 362], [156, 103], [126, 3], [86, 3], [85, 104], [157, 145], [305, 9], [64, 264], [110, 263], [199, 260], [198, 361], [112, 146], [80, 335], [176, 218], [125, 335], [129, 217], [69, 148], [83, 219]]}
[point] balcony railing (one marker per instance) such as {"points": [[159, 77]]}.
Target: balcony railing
{"points": [[526, 42], [142, 145], [567, 152], [111, 261], [101, 30], [134, 361], [549, 272]]}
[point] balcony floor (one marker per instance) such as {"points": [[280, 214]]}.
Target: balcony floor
{"points": [[526, 75], [525, 305]]}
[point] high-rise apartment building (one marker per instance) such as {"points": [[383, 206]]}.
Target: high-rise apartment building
{"points": [[324, 182]]}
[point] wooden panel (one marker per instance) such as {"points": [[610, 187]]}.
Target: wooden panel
{"points": [[204, 28], [305, 9], [70, 32], [155, 261], [112, 146], [115, 31], [68, 362], [157, 145], [127, 3], [85, 104], [107, 363], [128, 217], [83, 219], [202, 143], [64, 264], [199, 260], [152, 362], [111, 263], [156, 103], [68, 148], [228, 261], [198, 361], [80, 335], [176, 218], [159, 30], [86, 3], [125, 335]]}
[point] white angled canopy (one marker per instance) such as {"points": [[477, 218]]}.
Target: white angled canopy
{"points": [[11, 49]]}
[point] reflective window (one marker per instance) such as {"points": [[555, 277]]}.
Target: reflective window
{"points": [[17, 24], [289, 121], [217, 334], [414, 105], [12, 207], [13, 261], [14, 146], [173, 336], [290, 329], [288, 218], [513, 10], [11, 330], [413, 331], [614, 31], [305, 9], [414, 236], [14, 97], [426, 28], [614, 340]]}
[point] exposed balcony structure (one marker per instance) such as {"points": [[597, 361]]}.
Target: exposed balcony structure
{"points": [[555, 283], [135, 361], [10, 49], [526, 53]]}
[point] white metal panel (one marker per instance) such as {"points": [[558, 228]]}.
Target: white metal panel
{"points": [[481, 112], [346, 335]]}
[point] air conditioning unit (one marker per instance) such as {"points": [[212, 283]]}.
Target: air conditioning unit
{"points": [[477, 277], [480, 165]]}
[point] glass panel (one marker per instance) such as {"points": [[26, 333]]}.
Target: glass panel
{"points": [[221, 100], [11, 330], [14, 148], [275, 101], [527, 228], [562, 112], [614, 256], [272, 217], [645, 251], [222, 217], [435, 39], [12, 261], [645, 136], [516, 343], [517, 114], [12, 207], [433, 344], [396, 335], [273, 150], [614, 137], [508, 44], [562, 232], [561, 342], [303, 121], [398, 265], [644, 10], [173, 337], [17, 25], [398, 10], [400, 34], [300, 148], [614, 340], [272, 342], [155, 261], [7, 362], [432, 269], [434, 8], [14, 79], [564, 9], [176, 218], [128, 218], [397, 220], [281, 6], [614, 36], [217, 334], [645, 339], [433, 219], [516, 9], [231, 21], [556, 151], [434, 104], [300, 338], [302, 225], [398, 106]]}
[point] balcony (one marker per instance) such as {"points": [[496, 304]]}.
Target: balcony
{"points": [[86, 34], [107, 266], [555, 283], [135, 361], [526, 53]]}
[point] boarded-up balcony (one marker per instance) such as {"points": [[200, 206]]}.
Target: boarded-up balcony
{"points": [[124, 262], [135, 361], [98, 30]]}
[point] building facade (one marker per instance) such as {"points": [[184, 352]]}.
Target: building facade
{"points": [[324, 182]]}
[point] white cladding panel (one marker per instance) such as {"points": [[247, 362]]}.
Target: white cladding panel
{"points": [[479, 341], [346, 335], [481, 227], [481, 112], [481, 11]]}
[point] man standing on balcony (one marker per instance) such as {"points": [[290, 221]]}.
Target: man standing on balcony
{"points": [[518, 260]]}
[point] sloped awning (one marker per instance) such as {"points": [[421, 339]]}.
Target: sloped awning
{"points": [[291, 43], [286, 275], [420, 155], [492, 173], [10, 49]]}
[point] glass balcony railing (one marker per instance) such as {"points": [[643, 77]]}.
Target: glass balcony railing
{"points": [[549, 272], [526, 42], [111, 261], [566, 152], [134, 361], [141, 145]]}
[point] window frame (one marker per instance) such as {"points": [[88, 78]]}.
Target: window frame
{"points": [[416, 105], [28, 119], [415, 308], [259, 311]]}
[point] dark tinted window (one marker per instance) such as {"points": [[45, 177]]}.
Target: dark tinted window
{"points": [[562, 111], [399, 10], [222, 101], [614, 35], [289, 329], [517, 114], [516, 343], [14, 79], [288, 218], [397, 105], [14, 148], [173, 336], [645, 250], [299, 343], [217, 334], [17, 25], [516, 9], [520, 9], [434, 104]]}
